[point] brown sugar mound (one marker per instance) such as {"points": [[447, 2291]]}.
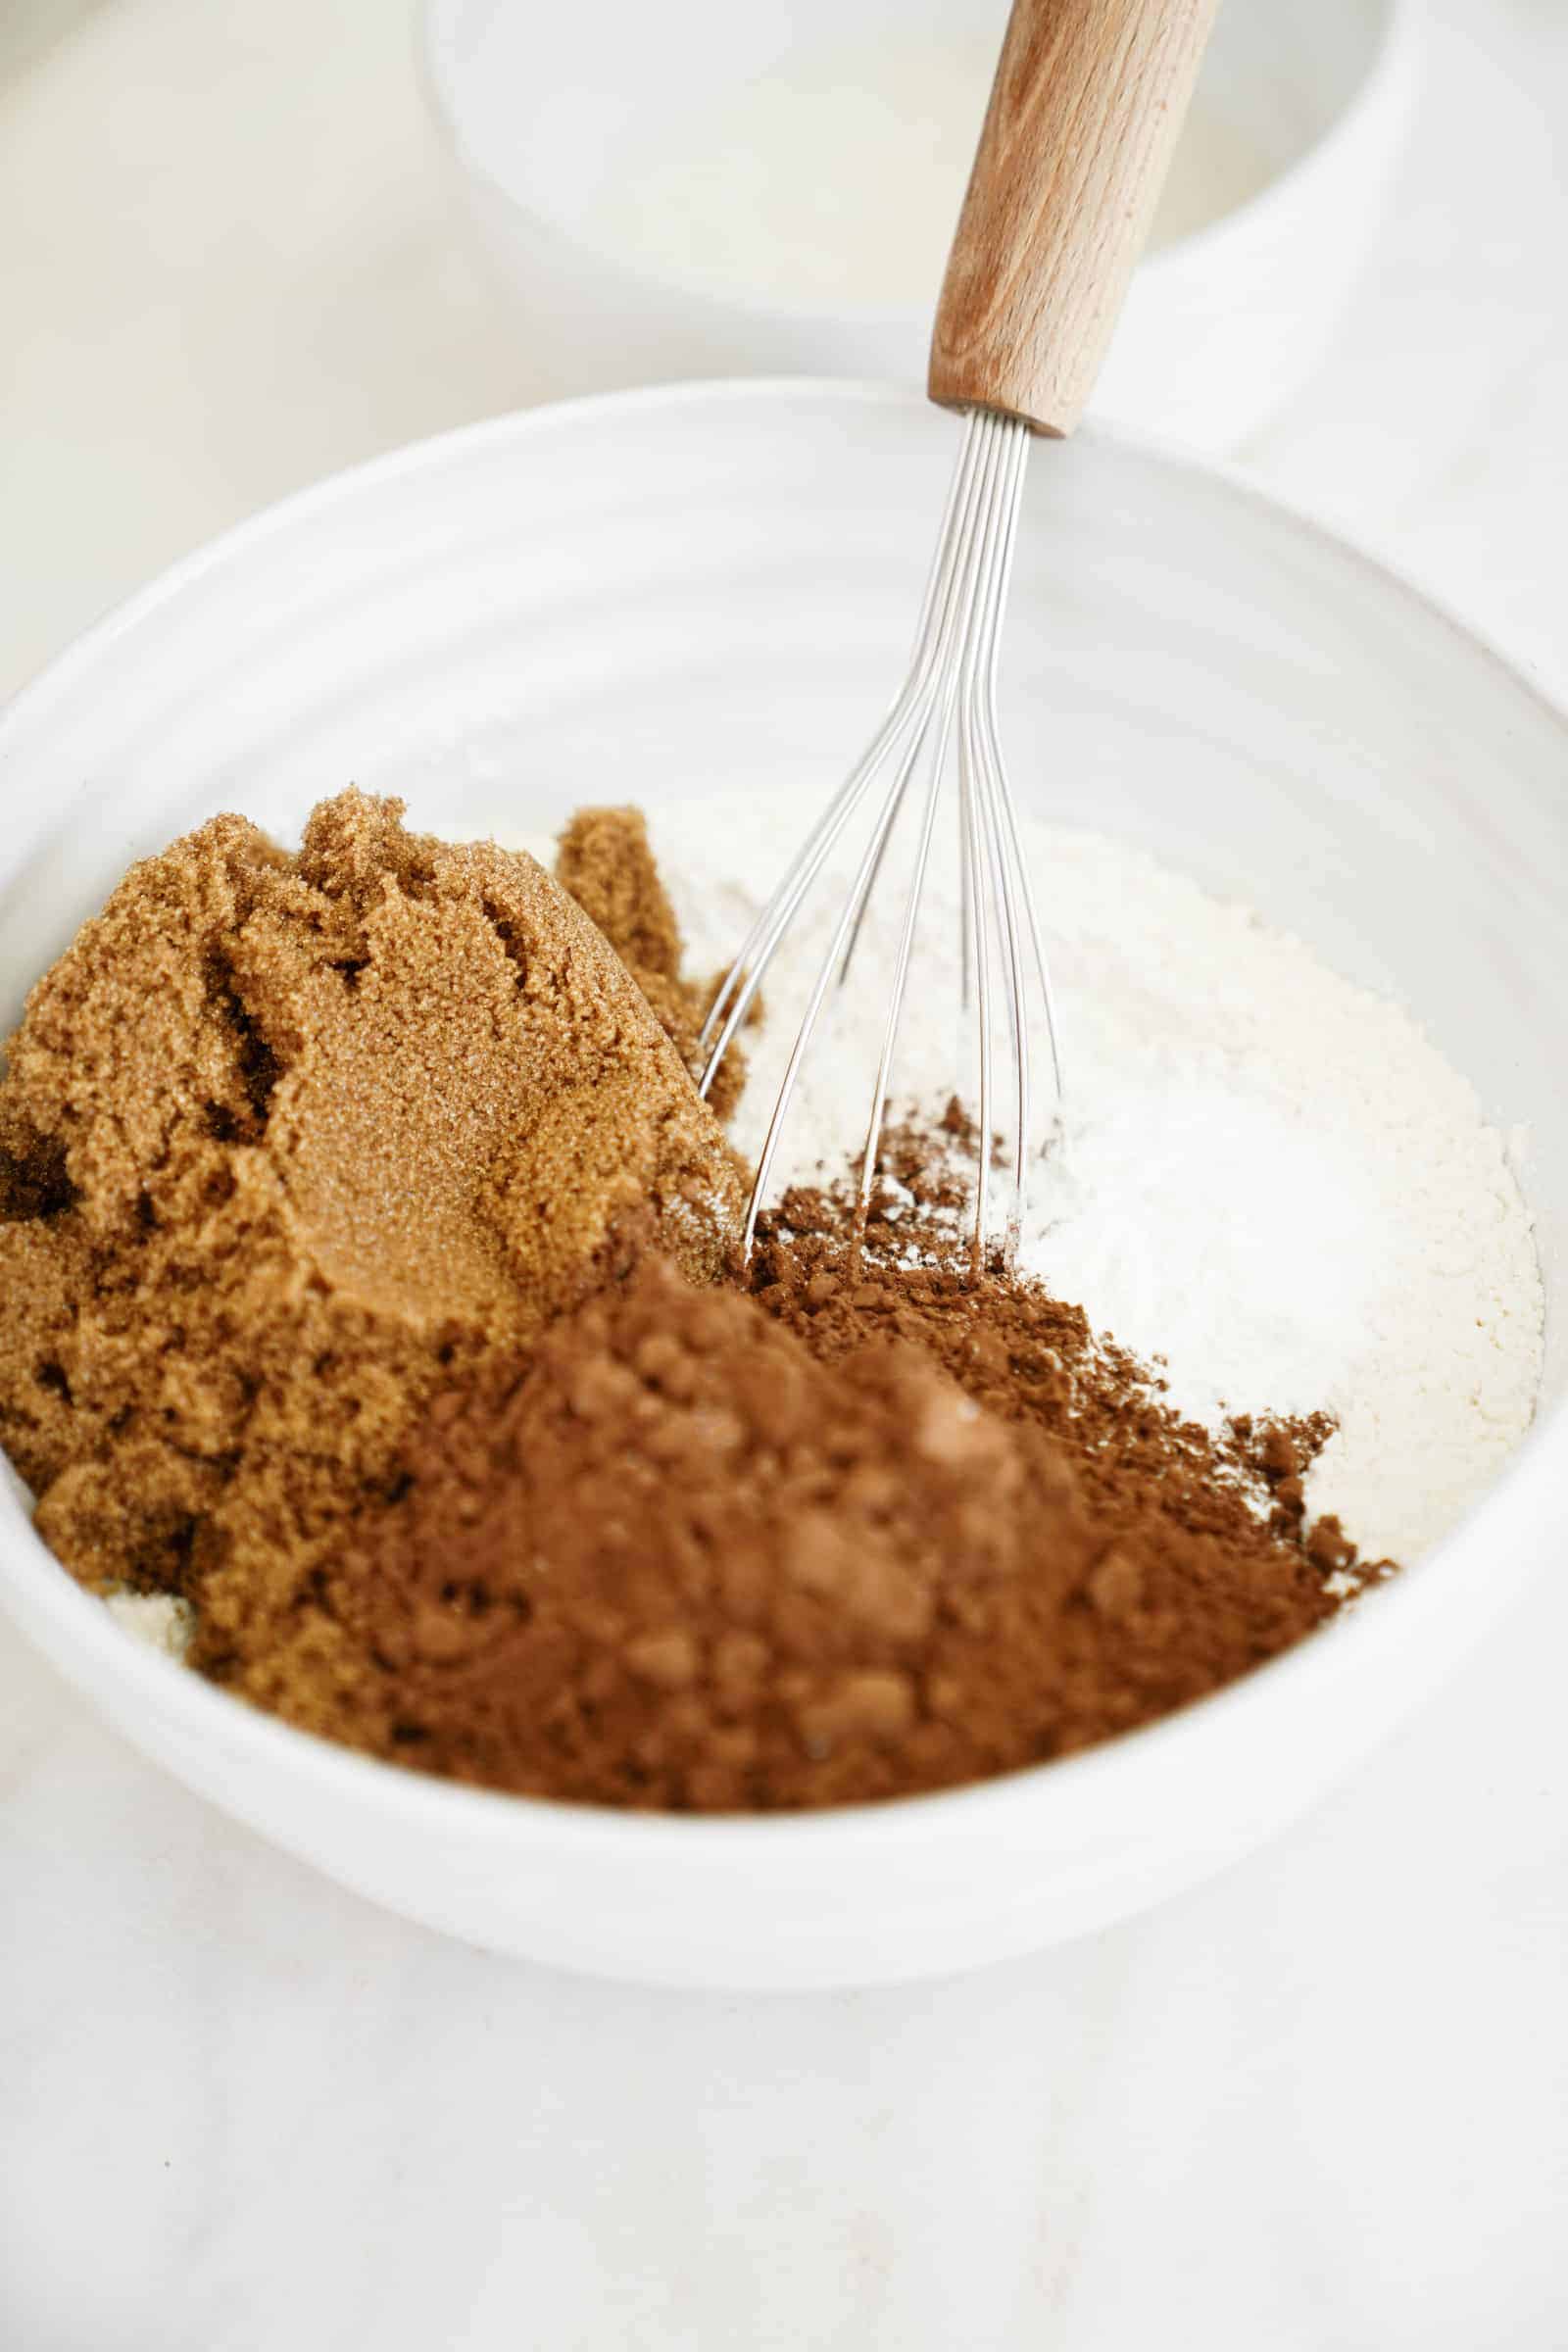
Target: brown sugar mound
{"points": [[700, 1560], [605, 860], [286, 1141]]}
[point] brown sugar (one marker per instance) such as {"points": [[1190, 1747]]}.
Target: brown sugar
{"points": [[604, 858], [285, 1142]]}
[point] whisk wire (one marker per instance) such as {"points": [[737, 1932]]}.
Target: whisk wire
{"points": [[743, 978], [950, 689], [979, 855], [981, 773], [990, 728], [949, 612], [979, 523]]}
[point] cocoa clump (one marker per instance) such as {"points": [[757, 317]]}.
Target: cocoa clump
{"points": [[683, 1564]]}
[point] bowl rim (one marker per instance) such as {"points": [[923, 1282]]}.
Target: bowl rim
{"points": [[1388, 77], [1385, 77], [33, 1584]]}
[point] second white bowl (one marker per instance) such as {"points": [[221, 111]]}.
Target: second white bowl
{"points": [[700, 190]]}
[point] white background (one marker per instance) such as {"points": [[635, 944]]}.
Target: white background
{"points": [[1322, 2103]]}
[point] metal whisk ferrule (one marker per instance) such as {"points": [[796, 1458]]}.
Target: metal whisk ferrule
{"points": [[948, 700]]}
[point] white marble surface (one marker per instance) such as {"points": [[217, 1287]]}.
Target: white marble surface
{"points": [[1322, 2103]]}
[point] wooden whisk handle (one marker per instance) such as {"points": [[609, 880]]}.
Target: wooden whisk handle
{"points": [[1084, 114]]}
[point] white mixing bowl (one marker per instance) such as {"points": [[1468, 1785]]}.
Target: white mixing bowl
{"points": [[686, 592], [772, 138]]}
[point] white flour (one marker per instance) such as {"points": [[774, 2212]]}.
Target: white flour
{"points": [[156, 1618], [1269, 1178]]}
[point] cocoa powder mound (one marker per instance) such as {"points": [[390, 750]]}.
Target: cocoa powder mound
{"points": [[682, 1564], [1024, 1353], [847, 1538], [286, 1143]]}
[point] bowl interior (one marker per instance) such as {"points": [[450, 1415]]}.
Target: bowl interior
{"points": [[674, 594], [754, 148], [681, 594]]}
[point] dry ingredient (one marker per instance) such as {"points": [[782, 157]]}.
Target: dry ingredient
{"points": [[369, 1294], [863, 1532], [603, 858], [286, 1143], [1271, 1180]]}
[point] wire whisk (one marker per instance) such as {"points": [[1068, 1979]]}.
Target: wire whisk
{"points": [[949, 693], [1084, 114]]}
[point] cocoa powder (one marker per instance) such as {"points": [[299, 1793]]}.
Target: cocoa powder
{"points": [[838, 1538]]}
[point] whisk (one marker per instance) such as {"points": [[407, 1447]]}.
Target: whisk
{"points": [[1084, 114]]}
